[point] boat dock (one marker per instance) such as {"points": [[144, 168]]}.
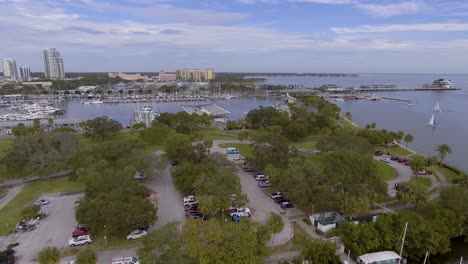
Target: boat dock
{"points": [[209, 109], [404, 89], [396, 99]]}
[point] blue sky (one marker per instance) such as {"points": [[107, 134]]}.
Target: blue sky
{"points": [[412, 36]]}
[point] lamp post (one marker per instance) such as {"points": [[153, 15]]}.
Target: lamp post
{"points": [[105, 237]]}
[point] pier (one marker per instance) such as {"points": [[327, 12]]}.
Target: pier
{"points": [[396, 98]]}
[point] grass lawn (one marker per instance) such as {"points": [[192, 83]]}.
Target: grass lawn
{"points": [[5, 146], [213, 133], [426, 182], [245, 150], [385, 171], [347, 125], [10, 214], [298, 241], [305, 145], [449, 175], [397, 150]]}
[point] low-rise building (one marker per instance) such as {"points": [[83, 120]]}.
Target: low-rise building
{"points": [[128, 77], [382, 257], [167, 76]]}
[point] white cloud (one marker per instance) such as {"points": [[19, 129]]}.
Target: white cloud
{"points": [[393, 9], [428, 27]]}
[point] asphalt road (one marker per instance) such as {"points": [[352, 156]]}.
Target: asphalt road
{"points": [[404, 174], [11, 193], [259, 203], [55, 230]]}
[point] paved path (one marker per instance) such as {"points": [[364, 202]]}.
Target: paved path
{"points": [[404, 174], [11, 193], [106, 256], [259, 203]]}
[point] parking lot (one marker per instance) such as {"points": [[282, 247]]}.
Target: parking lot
{"points": [[55, 230], [259, 203], [404, 174]]}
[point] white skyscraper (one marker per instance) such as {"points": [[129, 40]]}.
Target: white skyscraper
{"points": [[25, 73], [53, 65], [9, 69]]}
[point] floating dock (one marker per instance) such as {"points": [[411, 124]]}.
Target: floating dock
{"points": [[209, 109]]}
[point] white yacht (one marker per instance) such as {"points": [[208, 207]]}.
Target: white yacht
{"points": [[144, 115], [439, 84]]}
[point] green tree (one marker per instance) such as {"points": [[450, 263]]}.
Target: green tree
{"points": [[165, 245], [29, 212], [275, 225], [320, 252], [100, 127], [418, 163], [413, 193], [348, 116], [443, 150], [178, 147], [373, 125], [408, 139], [243, 135], [353, 206], [270, 148], [138, 126], [156, 134], [86, 256], [49, 255]]}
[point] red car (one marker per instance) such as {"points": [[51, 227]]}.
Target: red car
{"points": [[402, 159], [80, 232]]}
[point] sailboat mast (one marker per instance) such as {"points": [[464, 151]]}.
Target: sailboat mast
{"points": [[403, 241], [426, 257]]}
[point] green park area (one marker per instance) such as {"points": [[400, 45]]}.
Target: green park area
{"points": [[385, 171], [10, 214]]}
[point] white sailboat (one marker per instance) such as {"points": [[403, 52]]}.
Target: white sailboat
{"points": [[437, 107], [432, 122]]}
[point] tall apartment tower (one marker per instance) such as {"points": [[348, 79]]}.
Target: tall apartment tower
{"points": [[25, 73], [186, 75], [9, 69], [197, 75], [53, 65], [209, 74]]}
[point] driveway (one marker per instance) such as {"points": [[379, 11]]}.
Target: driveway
{"points": [[168, 200], [404, 174], [106, 256], [261, 205], [54, 231]]}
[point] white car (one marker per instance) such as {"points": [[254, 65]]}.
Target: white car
{"points": [[41, 202], [239, 158], [276, 195], [81, 240], [261, 178], [136, 234], [125, 260], [240, 211], [190, 198], [386, 160]]}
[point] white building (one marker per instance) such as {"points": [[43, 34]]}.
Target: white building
{"points": [[53, 65], [9, 69], [25, 73], [382, 257]]}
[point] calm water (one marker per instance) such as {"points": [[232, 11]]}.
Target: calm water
{"points": [[124, 112], [452, 122]]}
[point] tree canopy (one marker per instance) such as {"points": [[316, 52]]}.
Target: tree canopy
{"points": [[100, 127]]}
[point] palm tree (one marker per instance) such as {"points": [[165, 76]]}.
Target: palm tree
{"points": [[348, 116], [443, 150], [408, 139]]}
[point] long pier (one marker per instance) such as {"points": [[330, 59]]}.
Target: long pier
{"points": [[396, 98], [405, 89]]}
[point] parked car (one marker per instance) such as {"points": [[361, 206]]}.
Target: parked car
{"points": [[386, 160], [136, 234], [276, 195], [280, 200], [22, 226], [240, 211], [248, 168], [41, 202], [378, 153], [190, 207], [81, 226], [394, 157], [286, 205], [257, 173], [239, 158], [195, 215], [80, 232], [175, 162], [264, 184], [232, 151], [189, 198], [81, 240], [139, 175], [261, 178], [125, 260], [402, 159]]}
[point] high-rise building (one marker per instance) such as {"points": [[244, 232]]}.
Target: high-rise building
{"points": [[209, 74], [25, 73], [9, 69], [197, 75], [186, 75], [53, 65]]}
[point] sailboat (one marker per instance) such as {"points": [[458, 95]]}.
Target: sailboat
{"points": [[432, 122], [437, 107]]}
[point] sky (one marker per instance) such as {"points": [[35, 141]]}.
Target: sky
{"points": [[350, 36]]}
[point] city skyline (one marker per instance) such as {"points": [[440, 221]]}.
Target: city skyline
{"points": [[416, 36]]}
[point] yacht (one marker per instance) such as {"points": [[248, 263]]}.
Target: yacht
{"points": [[144, 115], [439, 84]]}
